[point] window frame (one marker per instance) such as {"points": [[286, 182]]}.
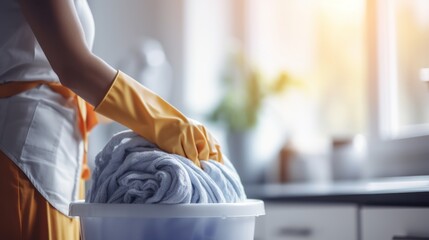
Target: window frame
{"points": [[390, 152]]}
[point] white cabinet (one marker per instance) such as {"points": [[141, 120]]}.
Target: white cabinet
{"points": [[308, 222], [395, 223]]}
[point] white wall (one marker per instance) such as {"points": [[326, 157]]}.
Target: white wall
{"points": [[122, 24]]}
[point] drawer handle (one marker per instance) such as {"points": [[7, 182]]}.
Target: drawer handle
{"points": [[409, 238], [294, 232]]}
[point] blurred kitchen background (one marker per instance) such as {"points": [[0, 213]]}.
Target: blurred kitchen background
{"points": [[295, 90]]}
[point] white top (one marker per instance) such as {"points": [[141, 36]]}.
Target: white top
{"points": [[38, 128], [21, 55]]}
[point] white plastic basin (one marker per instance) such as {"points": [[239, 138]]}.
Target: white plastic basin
{"points": [[214, 221]]}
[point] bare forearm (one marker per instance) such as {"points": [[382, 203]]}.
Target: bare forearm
{"points": [[58, 30], [90, 78]]}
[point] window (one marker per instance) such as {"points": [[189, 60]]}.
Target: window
{"points": [[399, 110], [404, 61], [322, 43]]}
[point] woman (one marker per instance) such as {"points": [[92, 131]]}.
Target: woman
{"points": [[48, 75]]}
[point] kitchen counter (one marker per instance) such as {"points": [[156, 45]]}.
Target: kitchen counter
{"points": [[398, 191]]}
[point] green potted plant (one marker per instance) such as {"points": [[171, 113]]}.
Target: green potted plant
{"points": [[245, 91], [239, 111]]}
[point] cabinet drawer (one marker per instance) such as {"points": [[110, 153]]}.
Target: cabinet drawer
{"points": [[310, 222], [388, 223]]}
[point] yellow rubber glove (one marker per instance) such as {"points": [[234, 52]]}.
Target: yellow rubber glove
{"points": [[131, 104]]}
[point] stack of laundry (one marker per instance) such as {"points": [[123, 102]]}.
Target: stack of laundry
{"points": [[132, 170]]}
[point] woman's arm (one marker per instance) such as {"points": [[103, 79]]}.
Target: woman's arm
{"points": [[116, 95], [57, 28]]}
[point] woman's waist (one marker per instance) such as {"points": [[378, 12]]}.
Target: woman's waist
{"points": [[29, 92], [19, 104]]}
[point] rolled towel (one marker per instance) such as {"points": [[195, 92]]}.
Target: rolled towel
{"points": [[130, 169]]}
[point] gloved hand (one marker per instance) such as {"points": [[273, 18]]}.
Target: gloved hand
{"points": [[147, 114]]}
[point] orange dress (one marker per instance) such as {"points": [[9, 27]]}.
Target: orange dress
{"points": [[25, 214]]}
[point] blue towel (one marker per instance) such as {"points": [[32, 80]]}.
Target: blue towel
{"points": [[132, 170]]}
